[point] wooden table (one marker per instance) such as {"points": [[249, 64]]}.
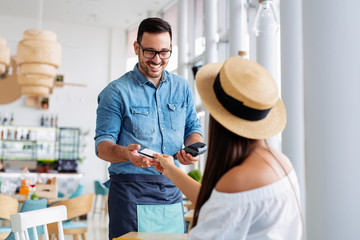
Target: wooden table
{"points": [[49, 200], [188, 204], [153, 236]]}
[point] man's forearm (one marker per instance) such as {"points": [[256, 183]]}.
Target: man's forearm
{"points": [[111, 152], [193, 138]]}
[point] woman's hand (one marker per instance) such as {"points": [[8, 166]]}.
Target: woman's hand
{"points": [[163, 163]]}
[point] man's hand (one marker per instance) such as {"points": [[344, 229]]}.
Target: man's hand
{"points": [[186, 158], [135, 158]]}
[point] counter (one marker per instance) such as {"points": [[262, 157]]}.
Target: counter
{"points": [[67, 182]]}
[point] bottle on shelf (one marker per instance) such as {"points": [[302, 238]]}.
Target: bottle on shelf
{"points": [[28, 135], [8, 134], [12, 119], [46, 123], [52, 120], [42, 120], [5, 120], [56, 120], [15, 134], [22, 135]]}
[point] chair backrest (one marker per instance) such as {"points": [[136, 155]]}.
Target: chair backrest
{"points": [[8, 206], [21, 222], [99, 188], [30, 205], [77, 206], [78, 192]]}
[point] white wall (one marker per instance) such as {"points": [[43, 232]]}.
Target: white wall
{"points": [[88, 57], [332, 116]]}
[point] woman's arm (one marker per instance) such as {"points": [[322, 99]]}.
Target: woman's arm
{"points": [[165, 164]]}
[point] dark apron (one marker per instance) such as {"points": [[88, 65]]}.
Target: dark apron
{"points": [[144, 203]]}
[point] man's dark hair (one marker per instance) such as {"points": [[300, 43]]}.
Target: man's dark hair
{"points": [[153, 25]]}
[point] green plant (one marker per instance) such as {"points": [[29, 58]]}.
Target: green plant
{"points": [[195, 174], [34, 196]]}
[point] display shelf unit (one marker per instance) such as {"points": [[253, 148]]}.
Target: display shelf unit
{"points": [[16, 154], [17, 150], [69, 142], [48, 144], [44, 137]]}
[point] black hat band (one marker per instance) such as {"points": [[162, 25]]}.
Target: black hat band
{"points": [[236, 107]]}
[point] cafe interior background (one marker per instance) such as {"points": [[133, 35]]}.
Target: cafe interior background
{"points": [[311, 50]]}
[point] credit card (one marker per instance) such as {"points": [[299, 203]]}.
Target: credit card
{"points": [[147, 153]]}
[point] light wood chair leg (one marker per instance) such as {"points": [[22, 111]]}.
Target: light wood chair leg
{"points": [[103, 203], [106, 205], [75, 237], [103, 208], [83, 236], [95, 204]]}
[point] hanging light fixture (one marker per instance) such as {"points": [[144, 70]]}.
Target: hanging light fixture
{"points": [[266, 28], [4, 56], [38, 57]]}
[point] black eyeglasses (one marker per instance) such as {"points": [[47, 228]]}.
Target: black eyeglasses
{"points": [[150, 54]]}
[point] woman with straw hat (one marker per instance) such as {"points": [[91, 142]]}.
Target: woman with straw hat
{"points": [[249, 190]]}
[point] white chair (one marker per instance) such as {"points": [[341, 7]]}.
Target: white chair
{"points": [[76, 207], [21, 222]]}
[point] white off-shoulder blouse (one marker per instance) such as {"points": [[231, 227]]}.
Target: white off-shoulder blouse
{"points": [[268, 212]]}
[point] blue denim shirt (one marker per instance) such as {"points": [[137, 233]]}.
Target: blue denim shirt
{"points": [[131, 110]]}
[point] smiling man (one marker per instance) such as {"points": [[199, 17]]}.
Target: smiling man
{"points": [[152, 108]]}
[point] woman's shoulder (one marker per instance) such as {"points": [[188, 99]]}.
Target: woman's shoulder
{"points": [[258, 170]]}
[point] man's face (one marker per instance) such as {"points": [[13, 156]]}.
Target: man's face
{"points": [[154, 67]]}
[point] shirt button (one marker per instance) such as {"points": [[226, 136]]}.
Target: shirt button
{"points": [[159, 110], [162, 128], [164, 147]]}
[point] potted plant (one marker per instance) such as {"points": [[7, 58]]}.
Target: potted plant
{"points": [[195, 174], [45, 103]]}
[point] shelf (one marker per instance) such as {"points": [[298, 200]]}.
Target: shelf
{"points": [[42, 144]]}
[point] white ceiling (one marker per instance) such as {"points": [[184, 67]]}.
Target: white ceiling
{"points": [[104, 13]]}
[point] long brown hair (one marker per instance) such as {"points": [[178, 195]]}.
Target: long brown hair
{"points": [[225, 150]]}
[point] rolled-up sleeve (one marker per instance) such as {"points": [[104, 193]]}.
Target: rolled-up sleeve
{"points": [[109, 117], [192, 121]]}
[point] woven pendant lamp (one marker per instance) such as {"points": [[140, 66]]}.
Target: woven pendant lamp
{"points": [[4, 56], [38, 57]]}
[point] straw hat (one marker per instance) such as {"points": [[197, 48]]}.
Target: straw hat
{"points": [[246, 101]]}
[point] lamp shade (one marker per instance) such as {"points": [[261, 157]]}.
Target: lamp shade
{"points": [[4, 56], [38, 57]]}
